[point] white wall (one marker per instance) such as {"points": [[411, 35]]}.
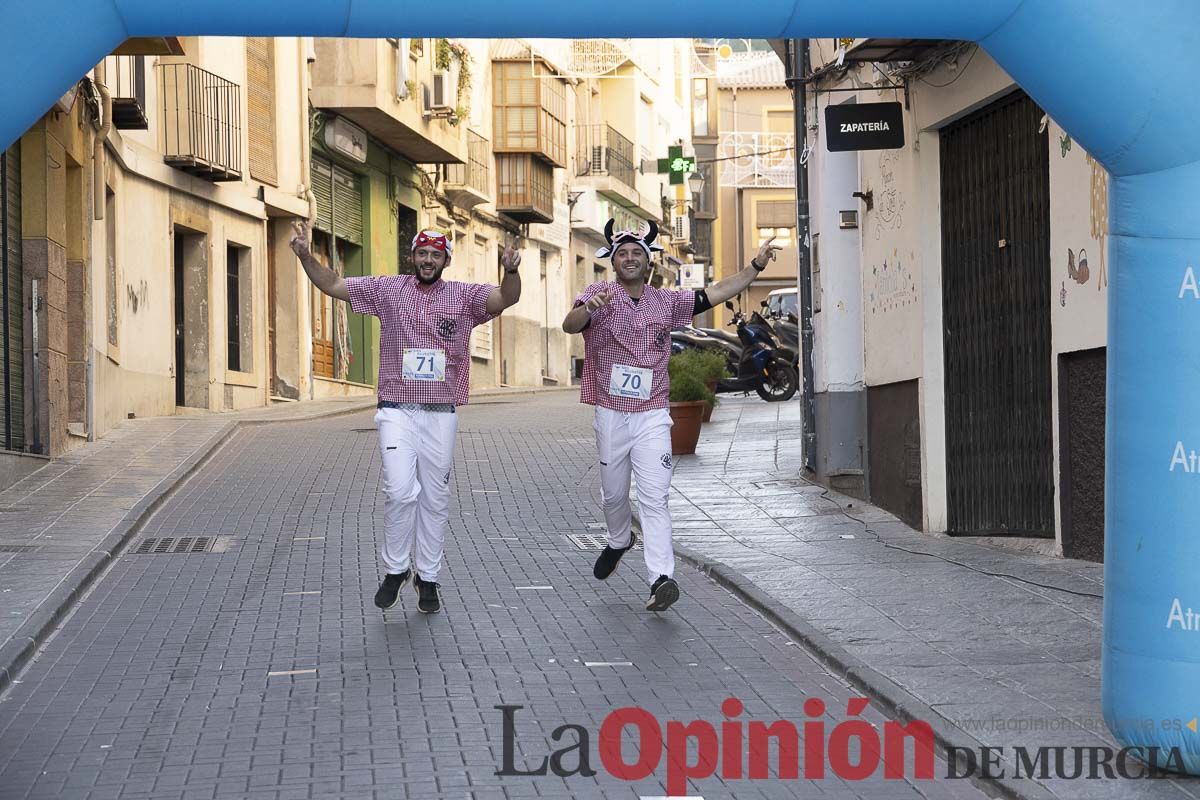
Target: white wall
{"points": [[1078, 293], [838, 362], [902, 304]]}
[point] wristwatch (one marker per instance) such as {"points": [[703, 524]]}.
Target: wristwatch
{"points": [[757, 268]]}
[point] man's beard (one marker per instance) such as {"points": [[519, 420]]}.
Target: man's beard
{"points": [[430, 281]]}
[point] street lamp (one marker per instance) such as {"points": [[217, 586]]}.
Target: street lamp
{"points": [[696, 182]]}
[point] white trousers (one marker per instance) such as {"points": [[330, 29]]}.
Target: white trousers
{"points": [[637, 444], [418, 453]]}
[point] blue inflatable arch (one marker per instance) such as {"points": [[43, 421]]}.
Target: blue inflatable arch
{"points": [[1118, 75]]}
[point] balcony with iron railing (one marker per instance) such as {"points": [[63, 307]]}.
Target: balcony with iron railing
{"points": [[467, 185], [757, 160], [605, 161], [201, 122], [125, 77]]}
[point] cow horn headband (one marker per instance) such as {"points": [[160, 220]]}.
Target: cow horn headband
{"points": [[435, 239], [643, 239]]}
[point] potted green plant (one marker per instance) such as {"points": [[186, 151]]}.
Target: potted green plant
{"points": [[713, 369], [688, 398]]}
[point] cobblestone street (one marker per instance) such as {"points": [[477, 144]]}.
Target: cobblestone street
{"points": [[261, 669]]}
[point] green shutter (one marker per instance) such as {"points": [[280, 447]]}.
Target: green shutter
{"points": [[322, 186], [339, 201], [347, 206]]}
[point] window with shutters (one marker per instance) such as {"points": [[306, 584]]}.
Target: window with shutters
{"points": [[530, 109], [339, 199], [260, 117], [775, 213]]}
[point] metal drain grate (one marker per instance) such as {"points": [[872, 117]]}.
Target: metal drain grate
{"points": [[590, 541], [182, 544]]}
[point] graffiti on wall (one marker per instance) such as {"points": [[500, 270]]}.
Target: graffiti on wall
{"points": [[889, 200], [137, 295], [893, 284]]}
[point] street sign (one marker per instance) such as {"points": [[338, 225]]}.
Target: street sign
{"points": [[864, 126], [691, 276]]}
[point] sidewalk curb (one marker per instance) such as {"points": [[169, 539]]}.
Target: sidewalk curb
{"points": [[893, 698], [33, 632]]}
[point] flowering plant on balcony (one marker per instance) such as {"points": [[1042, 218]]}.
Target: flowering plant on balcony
{"points": [[447, 54]]}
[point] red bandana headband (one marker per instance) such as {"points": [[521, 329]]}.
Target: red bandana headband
{"points": [[435, 239]]}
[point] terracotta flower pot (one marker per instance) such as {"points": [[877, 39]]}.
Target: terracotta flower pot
{"points": [[685, 431], [708, 407]]}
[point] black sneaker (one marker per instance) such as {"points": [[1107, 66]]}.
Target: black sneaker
{"points": [[663, 593], [429, 600], [389, 591], [607, 562]]}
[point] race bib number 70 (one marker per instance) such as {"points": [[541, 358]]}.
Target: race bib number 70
{"points": [[631, 382], [424, 364]]}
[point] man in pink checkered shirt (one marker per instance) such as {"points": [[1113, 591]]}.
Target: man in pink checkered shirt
{"points": [[626, 326], [425, 328]]}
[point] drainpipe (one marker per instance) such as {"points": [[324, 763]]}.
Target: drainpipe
{"points": [[99, 201], [102, 132], [737, 202], [798, 69]]}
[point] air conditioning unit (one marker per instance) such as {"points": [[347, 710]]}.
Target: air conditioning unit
{"points": [[680, 228], [442, 95], [848, 219]]}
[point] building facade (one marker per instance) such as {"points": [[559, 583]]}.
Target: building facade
{"points": [[146, 218], [960, 300], [754, 169]]}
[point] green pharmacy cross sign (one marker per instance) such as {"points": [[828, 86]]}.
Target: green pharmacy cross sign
{"points": [[676, 164]]}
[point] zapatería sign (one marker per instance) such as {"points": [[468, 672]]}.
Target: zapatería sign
{"points": [[864, 126]]}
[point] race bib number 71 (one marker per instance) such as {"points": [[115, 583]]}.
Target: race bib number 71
{"points": [[424, 364], [631, 382]]}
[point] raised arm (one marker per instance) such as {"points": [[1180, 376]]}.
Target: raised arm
{"points": [[737, 283], [322, 277], [578, 317], [509, 291]]}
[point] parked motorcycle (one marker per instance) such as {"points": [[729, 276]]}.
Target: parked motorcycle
{"points": [[755, 358], [786, 327]]}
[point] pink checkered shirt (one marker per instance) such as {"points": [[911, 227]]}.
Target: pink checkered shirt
{"points": [[437, 317], [632, 334]]}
